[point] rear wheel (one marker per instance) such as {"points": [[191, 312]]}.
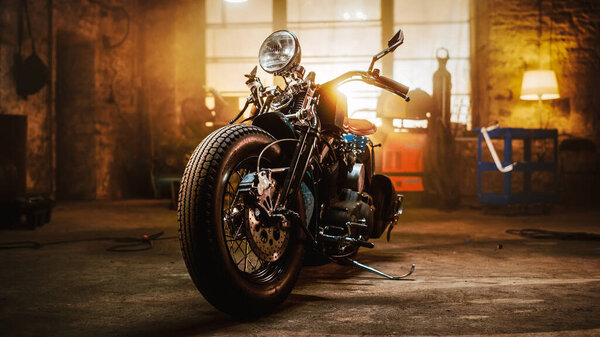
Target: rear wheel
{"points": [[221, 236]]}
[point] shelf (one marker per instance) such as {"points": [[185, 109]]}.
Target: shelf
{"points": [[526, 166]]}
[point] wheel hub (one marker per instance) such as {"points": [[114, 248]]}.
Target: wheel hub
{"points": [[268, 235]]}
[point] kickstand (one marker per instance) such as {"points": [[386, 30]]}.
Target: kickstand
{"points": [[373, 270]]}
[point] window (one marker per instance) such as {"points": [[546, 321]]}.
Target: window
{"points": [[337, 36], [234, 33], [429, 25], [341, 35]]}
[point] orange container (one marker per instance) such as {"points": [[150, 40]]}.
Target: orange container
{"points": [[403, 160], [407, 183]]}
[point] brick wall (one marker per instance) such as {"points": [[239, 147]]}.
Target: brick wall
{"points": [[141, 76], [507, 42], [142, 85]]}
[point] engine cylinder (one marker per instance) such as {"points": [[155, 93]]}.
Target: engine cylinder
{"points": [[355, 180]]}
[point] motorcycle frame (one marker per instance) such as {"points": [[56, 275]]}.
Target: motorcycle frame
{"points": [[304, 150]]}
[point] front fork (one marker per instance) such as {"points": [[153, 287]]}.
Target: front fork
{"points": [[298, 167]]}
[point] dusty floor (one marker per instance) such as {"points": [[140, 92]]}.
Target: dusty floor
{"points": [[463, 284]]}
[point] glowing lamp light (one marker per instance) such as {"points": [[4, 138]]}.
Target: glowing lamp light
{"points": [[539, 85], [235, 1]]}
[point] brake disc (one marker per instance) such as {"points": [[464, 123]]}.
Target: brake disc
{"points": [[269, 236]]}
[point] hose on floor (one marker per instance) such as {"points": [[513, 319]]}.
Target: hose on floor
{"points": [[546, 234], [126, 244]]}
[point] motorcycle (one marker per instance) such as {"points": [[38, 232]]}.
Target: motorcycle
{"points": [[296, 178]]}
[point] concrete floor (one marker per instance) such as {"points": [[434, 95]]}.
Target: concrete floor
{"points": [[463, 284]]}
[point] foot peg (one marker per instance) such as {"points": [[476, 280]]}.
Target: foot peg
{"points": [[373, 270], [346, 240]]}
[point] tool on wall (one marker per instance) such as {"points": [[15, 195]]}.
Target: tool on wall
{"points": [[31, 73]]}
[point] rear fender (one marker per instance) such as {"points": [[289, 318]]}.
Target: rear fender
{"points": [[386, 201]]}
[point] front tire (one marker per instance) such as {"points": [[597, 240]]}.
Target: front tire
{"points": [[205, 234]]}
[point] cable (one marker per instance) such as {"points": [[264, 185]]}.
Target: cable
{"points": [[127, 244], [546, 234]]}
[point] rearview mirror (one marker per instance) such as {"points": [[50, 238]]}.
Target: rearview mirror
{"points": [[393, 43], [396, 40]]}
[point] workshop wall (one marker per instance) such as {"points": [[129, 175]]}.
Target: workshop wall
{"points": [[36, 106], [508, 42], [135, 61], [146, 62]]}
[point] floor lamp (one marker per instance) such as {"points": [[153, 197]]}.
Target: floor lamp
{"points": [[539, 85]]}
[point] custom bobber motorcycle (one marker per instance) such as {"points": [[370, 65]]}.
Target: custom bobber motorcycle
{"points": [[294, 179]]}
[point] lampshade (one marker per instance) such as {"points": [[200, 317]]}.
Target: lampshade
{"points": [[539, 84]]}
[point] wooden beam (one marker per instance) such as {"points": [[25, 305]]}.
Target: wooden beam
{"points": [[279, 23], [279, 14], [387, 31]]}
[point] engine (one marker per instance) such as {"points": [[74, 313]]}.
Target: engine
{"points": [[349, 215]]}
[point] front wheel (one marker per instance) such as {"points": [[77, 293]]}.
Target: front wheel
{"points": [[221, 236]]}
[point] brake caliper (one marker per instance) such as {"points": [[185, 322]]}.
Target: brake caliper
{"points": [[259, 189]]}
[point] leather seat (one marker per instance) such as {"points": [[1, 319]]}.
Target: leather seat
{"points": [[359, 127]]}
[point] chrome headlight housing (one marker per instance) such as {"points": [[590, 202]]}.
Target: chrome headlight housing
{"points": [[279, 52]]}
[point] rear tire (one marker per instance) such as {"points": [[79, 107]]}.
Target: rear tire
{"points": [[203, 236]]}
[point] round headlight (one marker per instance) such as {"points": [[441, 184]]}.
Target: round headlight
{"points": [[279, 51]]}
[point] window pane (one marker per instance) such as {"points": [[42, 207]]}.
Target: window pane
{"points": [[419, 74], [428, 11], [356, 40], [229, 77], [219, 11], [332, 10], [235, 42], [421, 41]]}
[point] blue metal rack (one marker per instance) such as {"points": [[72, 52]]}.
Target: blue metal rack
{"points": [[526, 166]]}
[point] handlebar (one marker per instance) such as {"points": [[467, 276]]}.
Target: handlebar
{"points": [[372, 78], [397, 86]]}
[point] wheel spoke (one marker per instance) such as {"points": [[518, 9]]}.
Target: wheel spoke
{"points": [[239, 248], [246, 257]]}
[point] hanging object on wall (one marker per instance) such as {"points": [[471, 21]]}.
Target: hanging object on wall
{"points": [[118, 15], [31, 73]]}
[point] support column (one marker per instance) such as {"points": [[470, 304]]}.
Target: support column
{"points": [[479, 28], [279, 23], [279, 14], [387, 31]]}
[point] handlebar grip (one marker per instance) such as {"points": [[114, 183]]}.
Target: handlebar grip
{"points": [[393, 84]]}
